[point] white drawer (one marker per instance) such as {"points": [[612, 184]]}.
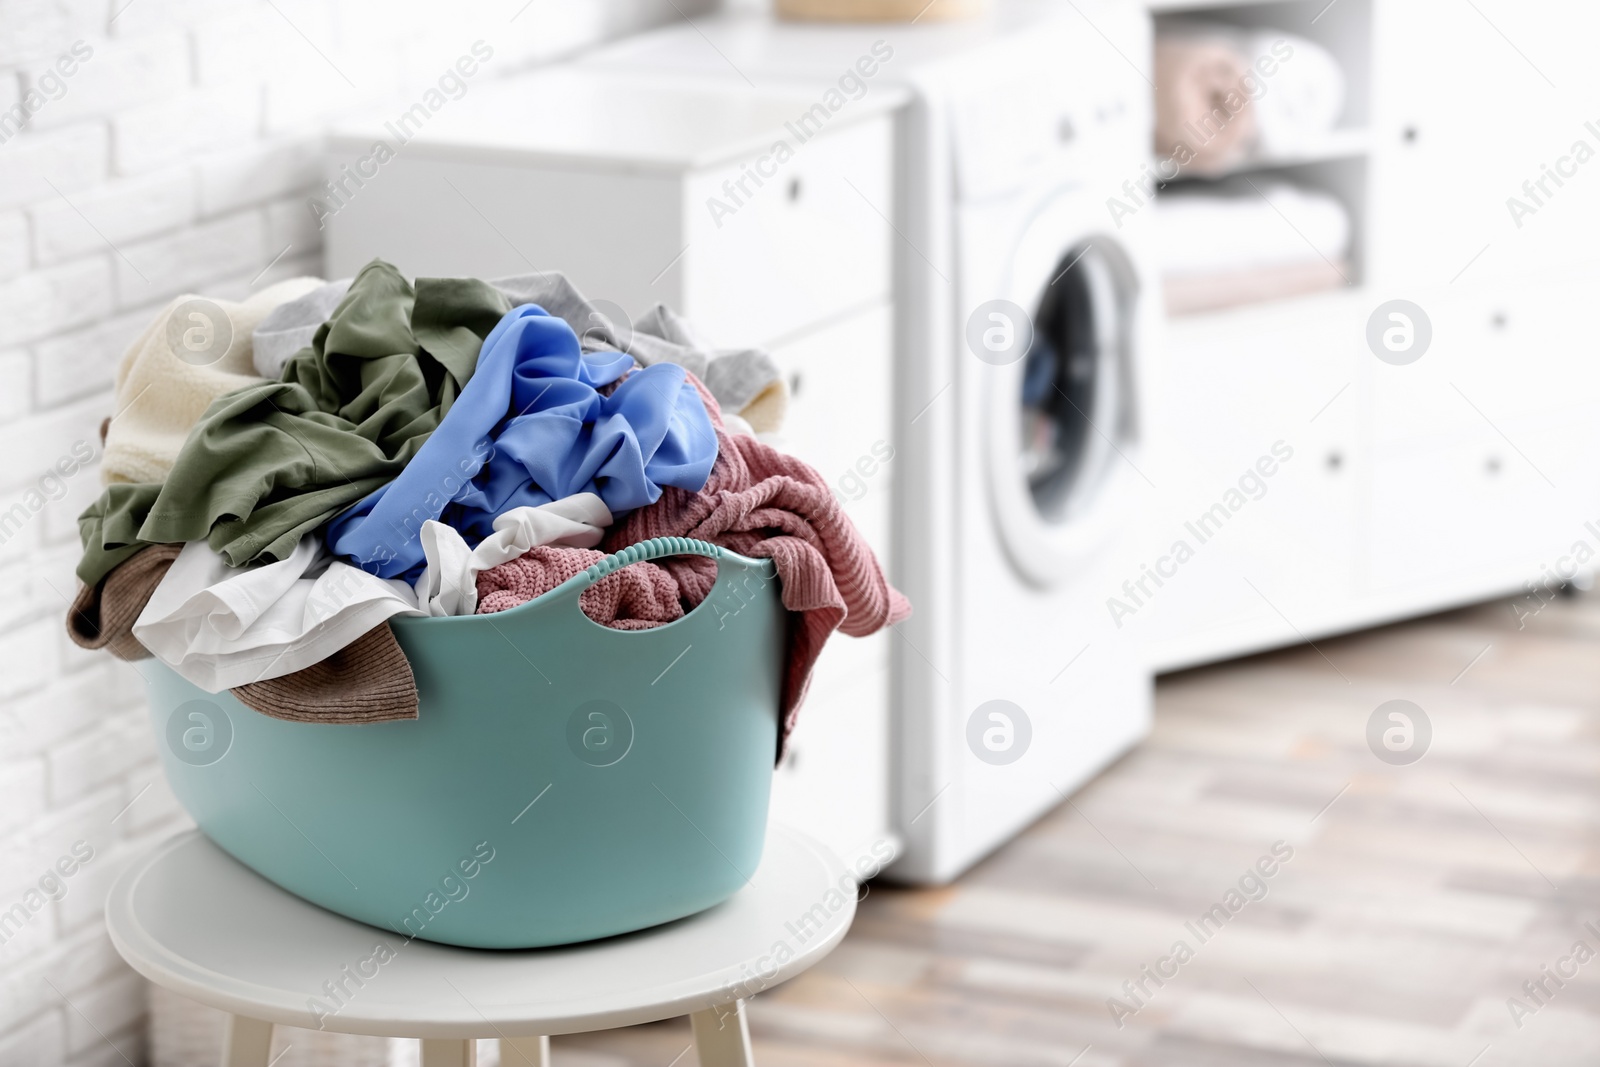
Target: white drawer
{"points": [[840, 410], [1477, 503], [811, 241], [847, 660], [835, 783]]}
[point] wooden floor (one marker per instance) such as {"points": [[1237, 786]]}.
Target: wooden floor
{"points": [[1417, 901]]}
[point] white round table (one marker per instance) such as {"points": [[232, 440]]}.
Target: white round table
{"points": [[191, 918]]}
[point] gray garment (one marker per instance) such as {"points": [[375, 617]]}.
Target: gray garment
{"points": [[734, 377], [289, 327], [596, 329]]}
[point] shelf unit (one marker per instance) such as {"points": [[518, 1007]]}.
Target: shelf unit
{"points": [[1336, 161], [1472, 472], [1336, 144]]}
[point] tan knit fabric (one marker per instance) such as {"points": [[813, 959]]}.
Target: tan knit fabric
{"points": [[369, 680], [103, 616], [767, 409]]}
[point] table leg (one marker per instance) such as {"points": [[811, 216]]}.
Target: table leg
{"points": [[524, 1052], [448, 1052], [722, 1036], [246, 1042]]}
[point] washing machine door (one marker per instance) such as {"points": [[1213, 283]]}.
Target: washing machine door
{"points": [[1063, 419]]}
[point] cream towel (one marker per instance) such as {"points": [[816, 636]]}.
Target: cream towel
{"points": [[160, 395], [1235, 226], [1304, 97]]}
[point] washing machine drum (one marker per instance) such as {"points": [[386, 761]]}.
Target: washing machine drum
{"points": [[1062, 420]]}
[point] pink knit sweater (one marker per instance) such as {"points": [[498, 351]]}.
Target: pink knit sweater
{"points": [[758, 502]]}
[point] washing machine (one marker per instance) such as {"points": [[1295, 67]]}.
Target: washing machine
{"points": [[1025, 321]]}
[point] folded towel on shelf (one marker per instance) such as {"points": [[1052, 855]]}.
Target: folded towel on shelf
{"points": [[1235, 226], [1205, 117], [1303, 99], [1224, 93], [197, 349], [1190, 294]]}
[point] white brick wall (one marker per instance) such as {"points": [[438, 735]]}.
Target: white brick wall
{"points": [[79, 224], [178, 157]]}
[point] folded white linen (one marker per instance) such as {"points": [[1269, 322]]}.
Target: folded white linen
{"points": [[221, 626], [1238, 227], [449, 582], [1305, 96]]}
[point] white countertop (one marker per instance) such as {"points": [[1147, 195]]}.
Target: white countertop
{"points": [[573, 116]]}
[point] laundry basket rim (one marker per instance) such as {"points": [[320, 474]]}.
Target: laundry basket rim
{"points": [[645, 551]]}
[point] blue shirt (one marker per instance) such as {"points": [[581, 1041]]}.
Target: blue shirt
{"points": [[530, 427]]}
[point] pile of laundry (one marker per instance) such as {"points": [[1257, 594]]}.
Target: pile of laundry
{"points": [[285, 475]]}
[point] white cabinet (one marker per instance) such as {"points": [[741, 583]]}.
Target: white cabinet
{"points": [[1264, 429], [1484, 450], [1473, 101], [807, 247], [833, 783], [672, 191], [839, 416], [1461, 475], [753, 244], [1412, 488], [1488, 448]]}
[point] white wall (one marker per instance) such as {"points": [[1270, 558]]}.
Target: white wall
{"points": [[178, 156]]}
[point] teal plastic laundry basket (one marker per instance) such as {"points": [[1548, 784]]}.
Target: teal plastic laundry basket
{"points": [[563, 781]]}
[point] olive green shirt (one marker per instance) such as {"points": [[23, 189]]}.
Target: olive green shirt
{"points": [[269, 463]]}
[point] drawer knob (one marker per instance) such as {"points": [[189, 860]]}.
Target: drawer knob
{"points": [[794, 189], [1492, 465], [1498, 320], [1335, 460], [1409, 135], [794, 383]]}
